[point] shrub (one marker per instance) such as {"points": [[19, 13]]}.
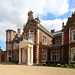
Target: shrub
{"points": [[39, 64], [46, 64], [49, 64], [62, 66], [16, 62], [66, 65], [73, 65], [54, 64]]}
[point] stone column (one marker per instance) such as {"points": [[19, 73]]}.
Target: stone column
{"points": [[29, 34], [28, 55], [32, 55], [19, 55]]}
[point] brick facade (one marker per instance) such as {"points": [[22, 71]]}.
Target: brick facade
{"points": [[54, 46]]}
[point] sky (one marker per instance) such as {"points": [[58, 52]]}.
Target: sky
{"points": [[52, 13]]}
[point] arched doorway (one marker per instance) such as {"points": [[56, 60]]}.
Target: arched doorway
{"points": [[2, 57]]}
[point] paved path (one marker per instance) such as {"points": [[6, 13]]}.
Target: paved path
{"points": [[12, 69]]}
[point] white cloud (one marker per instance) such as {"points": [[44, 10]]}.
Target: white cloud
{"points": [[13, 13], [53, 24], [73, 9], [3, 27]]}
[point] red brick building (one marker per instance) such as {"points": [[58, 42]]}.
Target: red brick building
{"points": [[37, 45], [63, 43], [3, 55], [32, 45]]}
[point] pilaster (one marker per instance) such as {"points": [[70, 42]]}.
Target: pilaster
{"points": [[19, 56]]}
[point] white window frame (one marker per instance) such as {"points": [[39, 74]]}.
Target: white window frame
{"points": [[72, 36], [15, 45], [46, 55], [56, 55], [9, 46], [71, 54], [33, 36], [45, 43]]}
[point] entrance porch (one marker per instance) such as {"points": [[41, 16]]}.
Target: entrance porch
{"points": [[26, 52]]}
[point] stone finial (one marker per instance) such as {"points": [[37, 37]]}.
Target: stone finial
{"points": [[30, 15]]}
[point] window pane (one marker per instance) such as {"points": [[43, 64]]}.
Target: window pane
{"points": [[27, 36], [44, 40], [55, 55], [43, 55], [73, 54], [73, 35], [31, 36]]}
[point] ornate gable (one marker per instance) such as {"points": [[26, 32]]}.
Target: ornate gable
{"points": [[71, 20], [32, 22]]}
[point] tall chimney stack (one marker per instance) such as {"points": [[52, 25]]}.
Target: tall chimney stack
{"points": [[63, 25], [19, 31], [52, 31]]}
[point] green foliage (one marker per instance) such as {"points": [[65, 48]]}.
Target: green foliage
{"points": [[73, 65], [57, 62], [66, 65], [39, 64], [62, 66], [16, 62]]}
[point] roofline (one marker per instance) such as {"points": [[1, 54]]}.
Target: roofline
{"points": [[45, 30], [10, 30], [57, 31]]}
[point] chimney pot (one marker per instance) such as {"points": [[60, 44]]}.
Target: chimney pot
{"points": [[19, 31], [52, 31]]}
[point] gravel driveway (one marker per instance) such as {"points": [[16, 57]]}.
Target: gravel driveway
{"points": [[12, 69]]}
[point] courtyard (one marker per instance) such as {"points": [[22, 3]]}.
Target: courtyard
{"points": [[13, 69]]}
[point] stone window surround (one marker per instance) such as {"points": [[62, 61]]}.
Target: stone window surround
{"points": [[24, 36], [56, 51], [15, 45], [71, 54], [72, 36], [46, 55], [59, 41], [46, 39]]}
